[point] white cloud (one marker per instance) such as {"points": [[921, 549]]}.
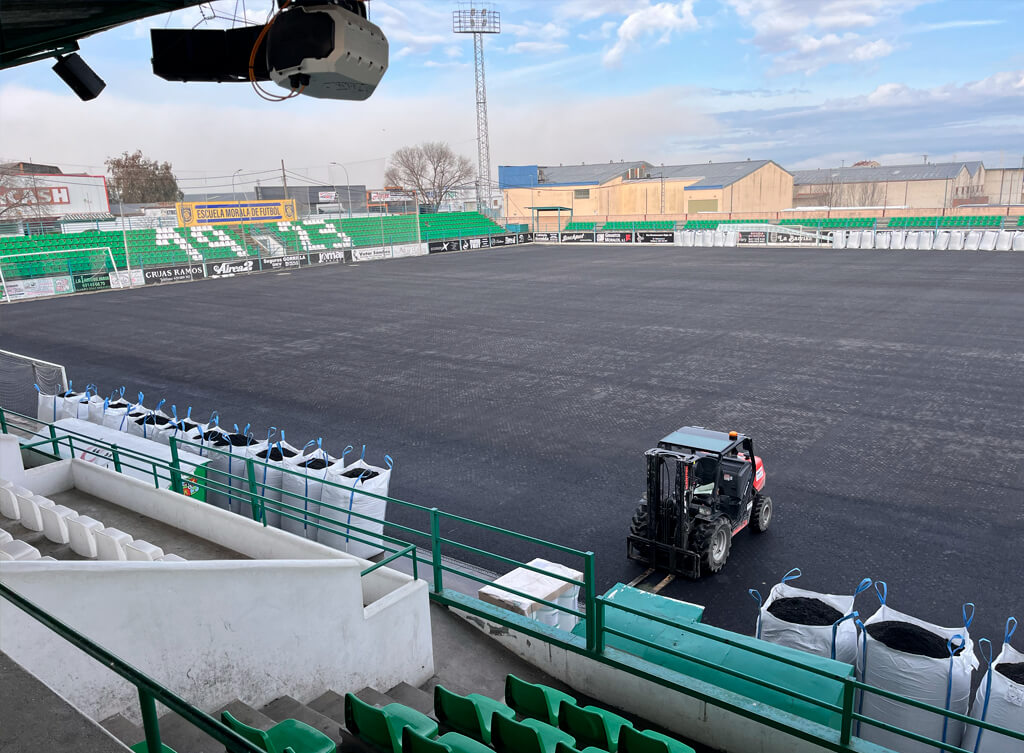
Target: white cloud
{"points": [[957, 24], [535, 47], [663, 19]]}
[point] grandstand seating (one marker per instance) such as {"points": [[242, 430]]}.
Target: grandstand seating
{"points": [[956, 221], [826, 223], [644, 225], [583, 226], [457, 225]]}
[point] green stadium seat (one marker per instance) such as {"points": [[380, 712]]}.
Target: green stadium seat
{"points": [[382, 727], [471, 715], [634, 741], [291, 733], [592, 726], [450, 742], [527, 736], [535, 701]]}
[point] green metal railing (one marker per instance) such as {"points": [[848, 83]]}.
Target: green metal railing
{"points": [[150, 691], [434, 539]]}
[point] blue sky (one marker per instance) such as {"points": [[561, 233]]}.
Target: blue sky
{"points": [[803, 82]]}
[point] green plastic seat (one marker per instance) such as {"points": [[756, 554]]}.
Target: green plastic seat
{"points": [[527, 736], [141, 748], [535, 701], [450, 742], [564, 748], [470, 714], [592, 726], [291, 733], [632, 740], [382, 727]]}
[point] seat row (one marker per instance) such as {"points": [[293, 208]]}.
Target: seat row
{"points": [[534, 719], [12, 549], [62, 525]]}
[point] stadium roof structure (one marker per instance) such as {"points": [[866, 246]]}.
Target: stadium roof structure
{"points": [[935, 171], [35, 29], [711, 174], [577, 175]]}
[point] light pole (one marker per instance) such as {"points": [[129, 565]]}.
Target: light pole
{"points": [[245, 243], [348, 190], [127, 253]]}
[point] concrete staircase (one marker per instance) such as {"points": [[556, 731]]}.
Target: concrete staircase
{"points": [[325, 713]]}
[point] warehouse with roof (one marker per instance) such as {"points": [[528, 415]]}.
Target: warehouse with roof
{"points": [[641, 188], [921, 186]]}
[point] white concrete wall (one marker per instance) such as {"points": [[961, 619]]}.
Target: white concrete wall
{"points": [[687, 716], [212, 631]]}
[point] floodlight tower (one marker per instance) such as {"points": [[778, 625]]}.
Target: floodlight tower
{"points": [[479, 19]]}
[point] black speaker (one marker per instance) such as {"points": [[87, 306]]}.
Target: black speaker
{"points": [[77, 74]]}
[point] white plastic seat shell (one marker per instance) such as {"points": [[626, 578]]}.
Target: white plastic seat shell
{"points": [[82, 535], [18, 550], [55, 523], [171, 558], [142, 551], [31, 517], [110, 544]]}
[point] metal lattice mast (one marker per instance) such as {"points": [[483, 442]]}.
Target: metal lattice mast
{"points": [[479, 19], [483, 139]]}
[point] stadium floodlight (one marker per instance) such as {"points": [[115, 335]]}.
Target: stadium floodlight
{"points": [[479, 19]]}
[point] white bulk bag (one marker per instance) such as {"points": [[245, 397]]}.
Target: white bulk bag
{"points": [[115, 412], [707, 238], [363, 540], [882, 240], [1018, 241], [732, 238], [839, 240], [973, 240], [227, 472], [177, 427], [145, 423], [718, 238], [686, 238], [898, 239], [913, 238], [941, 242], [97, 408], [68, 408], [867, 239], [203, 435], [988, 240], [853, 239], [999, 701], [304, 487], [270, 462], [1004, 240], [956, 240], [924, 241], [922, 678], [49, 407], [836, 641]]}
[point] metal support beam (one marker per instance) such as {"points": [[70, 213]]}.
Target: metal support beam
{"points": [[483, 139]]}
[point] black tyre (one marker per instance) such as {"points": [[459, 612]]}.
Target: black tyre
{"points": [[762, 514], [712, 541], [638, 527]]}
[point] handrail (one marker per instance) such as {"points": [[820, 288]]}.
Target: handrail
{"points": [[594, 604], [150, 691]]}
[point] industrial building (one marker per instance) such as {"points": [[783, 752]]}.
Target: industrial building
{"points": [[921, 186], [639, 189]]}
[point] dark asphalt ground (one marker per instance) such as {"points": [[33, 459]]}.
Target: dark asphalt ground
{"points": [[520, 387]]}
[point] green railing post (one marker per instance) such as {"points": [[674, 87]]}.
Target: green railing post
{"points": [[595, 628], [3, 421], [846, 726], [435, 549], [53, 440], [258, 506], [175, 467], [150, 722], [115, 455]]}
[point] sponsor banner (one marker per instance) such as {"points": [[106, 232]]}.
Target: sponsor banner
{"points": [[370, 253], [323, 196], [378, 197], [196, 213], [788, 238], [545, 237], [126, 279], [177, 273], [38, 287], [655, 236], [615, 237], [407, 249], [751, 237], [526, 237], [327, 257], [439, 247], [504, 240], [52, 195], [292, 261], [230, 268], [85, 282], [577, 238], [471, 244]]}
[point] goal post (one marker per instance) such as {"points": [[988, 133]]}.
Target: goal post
{"points": [[19, 376], [59, 268]]}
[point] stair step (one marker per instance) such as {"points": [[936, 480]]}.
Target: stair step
{"points": [[124, 730], [287, 707], [374, 697], [246, 714], [183, 737], [415, 698], [449, 684], [332, 705]]}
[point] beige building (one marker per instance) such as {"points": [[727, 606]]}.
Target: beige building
{"points": [[640, 189], [924, 186], [1005, 186]]}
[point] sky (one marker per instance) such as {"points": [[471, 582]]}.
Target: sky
{"points": [[803, 82]]}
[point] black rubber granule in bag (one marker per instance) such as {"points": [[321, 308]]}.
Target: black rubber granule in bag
{"points": [[802, 610], [1013, 671], [911, 639]]}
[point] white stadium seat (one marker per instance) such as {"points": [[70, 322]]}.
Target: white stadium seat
{"points": [[5, 537], [110, 544], [55, 522], [17, 550], [142, 551], [31, 518], [8, 501], [82, 534], [171, 558]]}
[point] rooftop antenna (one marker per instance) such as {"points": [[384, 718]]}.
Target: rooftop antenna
{"points": [[478, 19]]}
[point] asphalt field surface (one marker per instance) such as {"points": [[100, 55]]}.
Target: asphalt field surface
{"points": [[520, 387]]}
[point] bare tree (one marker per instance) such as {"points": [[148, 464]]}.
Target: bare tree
{"points": [[864, 194], [20, 198], [137, 180], [430, 170]]}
